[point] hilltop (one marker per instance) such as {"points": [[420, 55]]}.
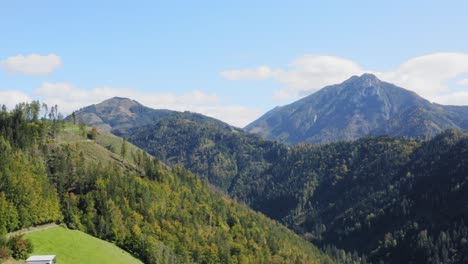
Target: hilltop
{"points": [[118, 114]]}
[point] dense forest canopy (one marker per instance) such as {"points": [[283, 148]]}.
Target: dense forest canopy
{"points": [[379, 197], [53, 172]]}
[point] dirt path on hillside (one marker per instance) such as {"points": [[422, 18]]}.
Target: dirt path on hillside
{"points": [[32, 229]]}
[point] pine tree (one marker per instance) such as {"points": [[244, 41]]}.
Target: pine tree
{"points": [[123, 149]]}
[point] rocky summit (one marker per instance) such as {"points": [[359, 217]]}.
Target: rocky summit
{"points": [[362, 105]]}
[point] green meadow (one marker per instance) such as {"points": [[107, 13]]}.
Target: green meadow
{"points": [[75, 247]]}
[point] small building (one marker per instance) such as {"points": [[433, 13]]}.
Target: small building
{"points": [[44, 259]]}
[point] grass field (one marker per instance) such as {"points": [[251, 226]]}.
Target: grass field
{"points": [[75, 247], [107, 150]]}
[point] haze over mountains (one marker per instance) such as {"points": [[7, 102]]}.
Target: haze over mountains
{"points": [[358, 107]]}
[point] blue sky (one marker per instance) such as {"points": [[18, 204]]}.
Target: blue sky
{"points": [[232, 60]]}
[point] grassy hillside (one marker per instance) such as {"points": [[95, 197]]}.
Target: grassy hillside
{"points": [[75, 247], [108, 147]]}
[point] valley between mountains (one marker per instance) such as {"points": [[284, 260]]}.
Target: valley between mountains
{"points": [[368, 171], [358, 172]]}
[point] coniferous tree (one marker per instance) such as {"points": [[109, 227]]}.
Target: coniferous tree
{"points": [[123, 148]]}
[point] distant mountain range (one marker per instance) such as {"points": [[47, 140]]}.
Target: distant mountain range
{"points": [[396, 200], [389, 199], [358, 107], [222, 154]]}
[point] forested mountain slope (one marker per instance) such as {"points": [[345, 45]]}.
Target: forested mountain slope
{"points": [[159, 215], [209, 148], [393, 200], [353, 195], [120, 115], [396, 200]]}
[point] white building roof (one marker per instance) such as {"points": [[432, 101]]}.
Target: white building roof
{"points": [[42, 257]]}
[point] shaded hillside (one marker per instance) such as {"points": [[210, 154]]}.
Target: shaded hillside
{"points": [[395, 200], [209, 148], [373, 196], [158, 215], [358, 107]]}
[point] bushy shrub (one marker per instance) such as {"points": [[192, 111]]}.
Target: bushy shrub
{"points": [[20, 247]]}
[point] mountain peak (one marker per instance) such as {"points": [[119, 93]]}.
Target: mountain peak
{"points": [[365, 80], [120, 100], [362, 105], [118, 104], [118, 114]]}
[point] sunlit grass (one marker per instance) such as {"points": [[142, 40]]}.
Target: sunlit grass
{"points": [[75, 247]]}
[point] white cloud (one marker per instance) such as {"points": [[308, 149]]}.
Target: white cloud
{"points": [[304, 75], [70, 98], [11, 98], [455, 98], [311, 73], [463, 82], [427, 75], [33, 64], [260, 73]]}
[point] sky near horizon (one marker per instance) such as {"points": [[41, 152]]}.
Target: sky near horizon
{"points": [[232, 60]]}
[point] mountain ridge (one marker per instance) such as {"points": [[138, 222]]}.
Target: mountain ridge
{"points": [[118, 114], [347, 194], [359, 106]]}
